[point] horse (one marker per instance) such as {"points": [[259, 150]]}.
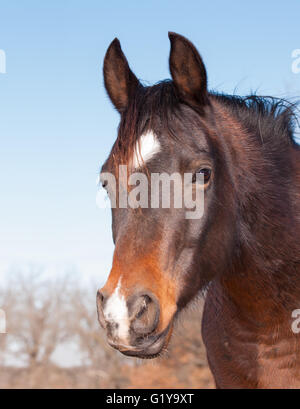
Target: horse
{"points": [[242, 254]]}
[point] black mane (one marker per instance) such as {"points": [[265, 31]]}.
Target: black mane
{"points": [[270, 116]]}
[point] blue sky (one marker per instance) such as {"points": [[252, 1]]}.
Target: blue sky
{"points": [[57, 124]]}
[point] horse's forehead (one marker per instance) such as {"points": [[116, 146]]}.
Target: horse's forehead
{"points": [[151, 142], [146, 147]]}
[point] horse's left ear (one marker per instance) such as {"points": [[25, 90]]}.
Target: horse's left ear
{"points": [[188, 70], [120, 82]]}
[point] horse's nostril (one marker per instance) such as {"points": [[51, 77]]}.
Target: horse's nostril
{"points": [[101, 298], [145, 300], [144, 313]]}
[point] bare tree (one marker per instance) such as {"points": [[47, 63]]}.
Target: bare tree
{"points": [[7, 305], [39, 320]]}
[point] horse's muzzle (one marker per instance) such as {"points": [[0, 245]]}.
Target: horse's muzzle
{"points": [[131, 325], [151, 347]]}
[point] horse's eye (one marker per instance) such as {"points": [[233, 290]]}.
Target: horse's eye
{"points": [[104, 184], [206, 172]]}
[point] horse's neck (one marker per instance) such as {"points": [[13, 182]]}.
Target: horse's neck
{"points": [[265, 281], [261, 297], [246, 332], [247, 322]]}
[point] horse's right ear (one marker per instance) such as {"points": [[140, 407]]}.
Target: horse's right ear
{"points": [[187, 70], [119, 80]]}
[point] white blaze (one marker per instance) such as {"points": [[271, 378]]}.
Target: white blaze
{"points": [[145, 149], [116, 313]]}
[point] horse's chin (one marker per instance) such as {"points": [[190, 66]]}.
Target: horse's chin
{"points": [[153, 347]]}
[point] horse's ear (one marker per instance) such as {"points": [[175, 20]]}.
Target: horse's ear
{"points": [[119, 80], [187, 70]]}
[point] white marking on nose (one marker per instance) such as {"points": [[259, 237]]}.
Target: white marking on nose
{"points": [[146, 147], [116, 313]]}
